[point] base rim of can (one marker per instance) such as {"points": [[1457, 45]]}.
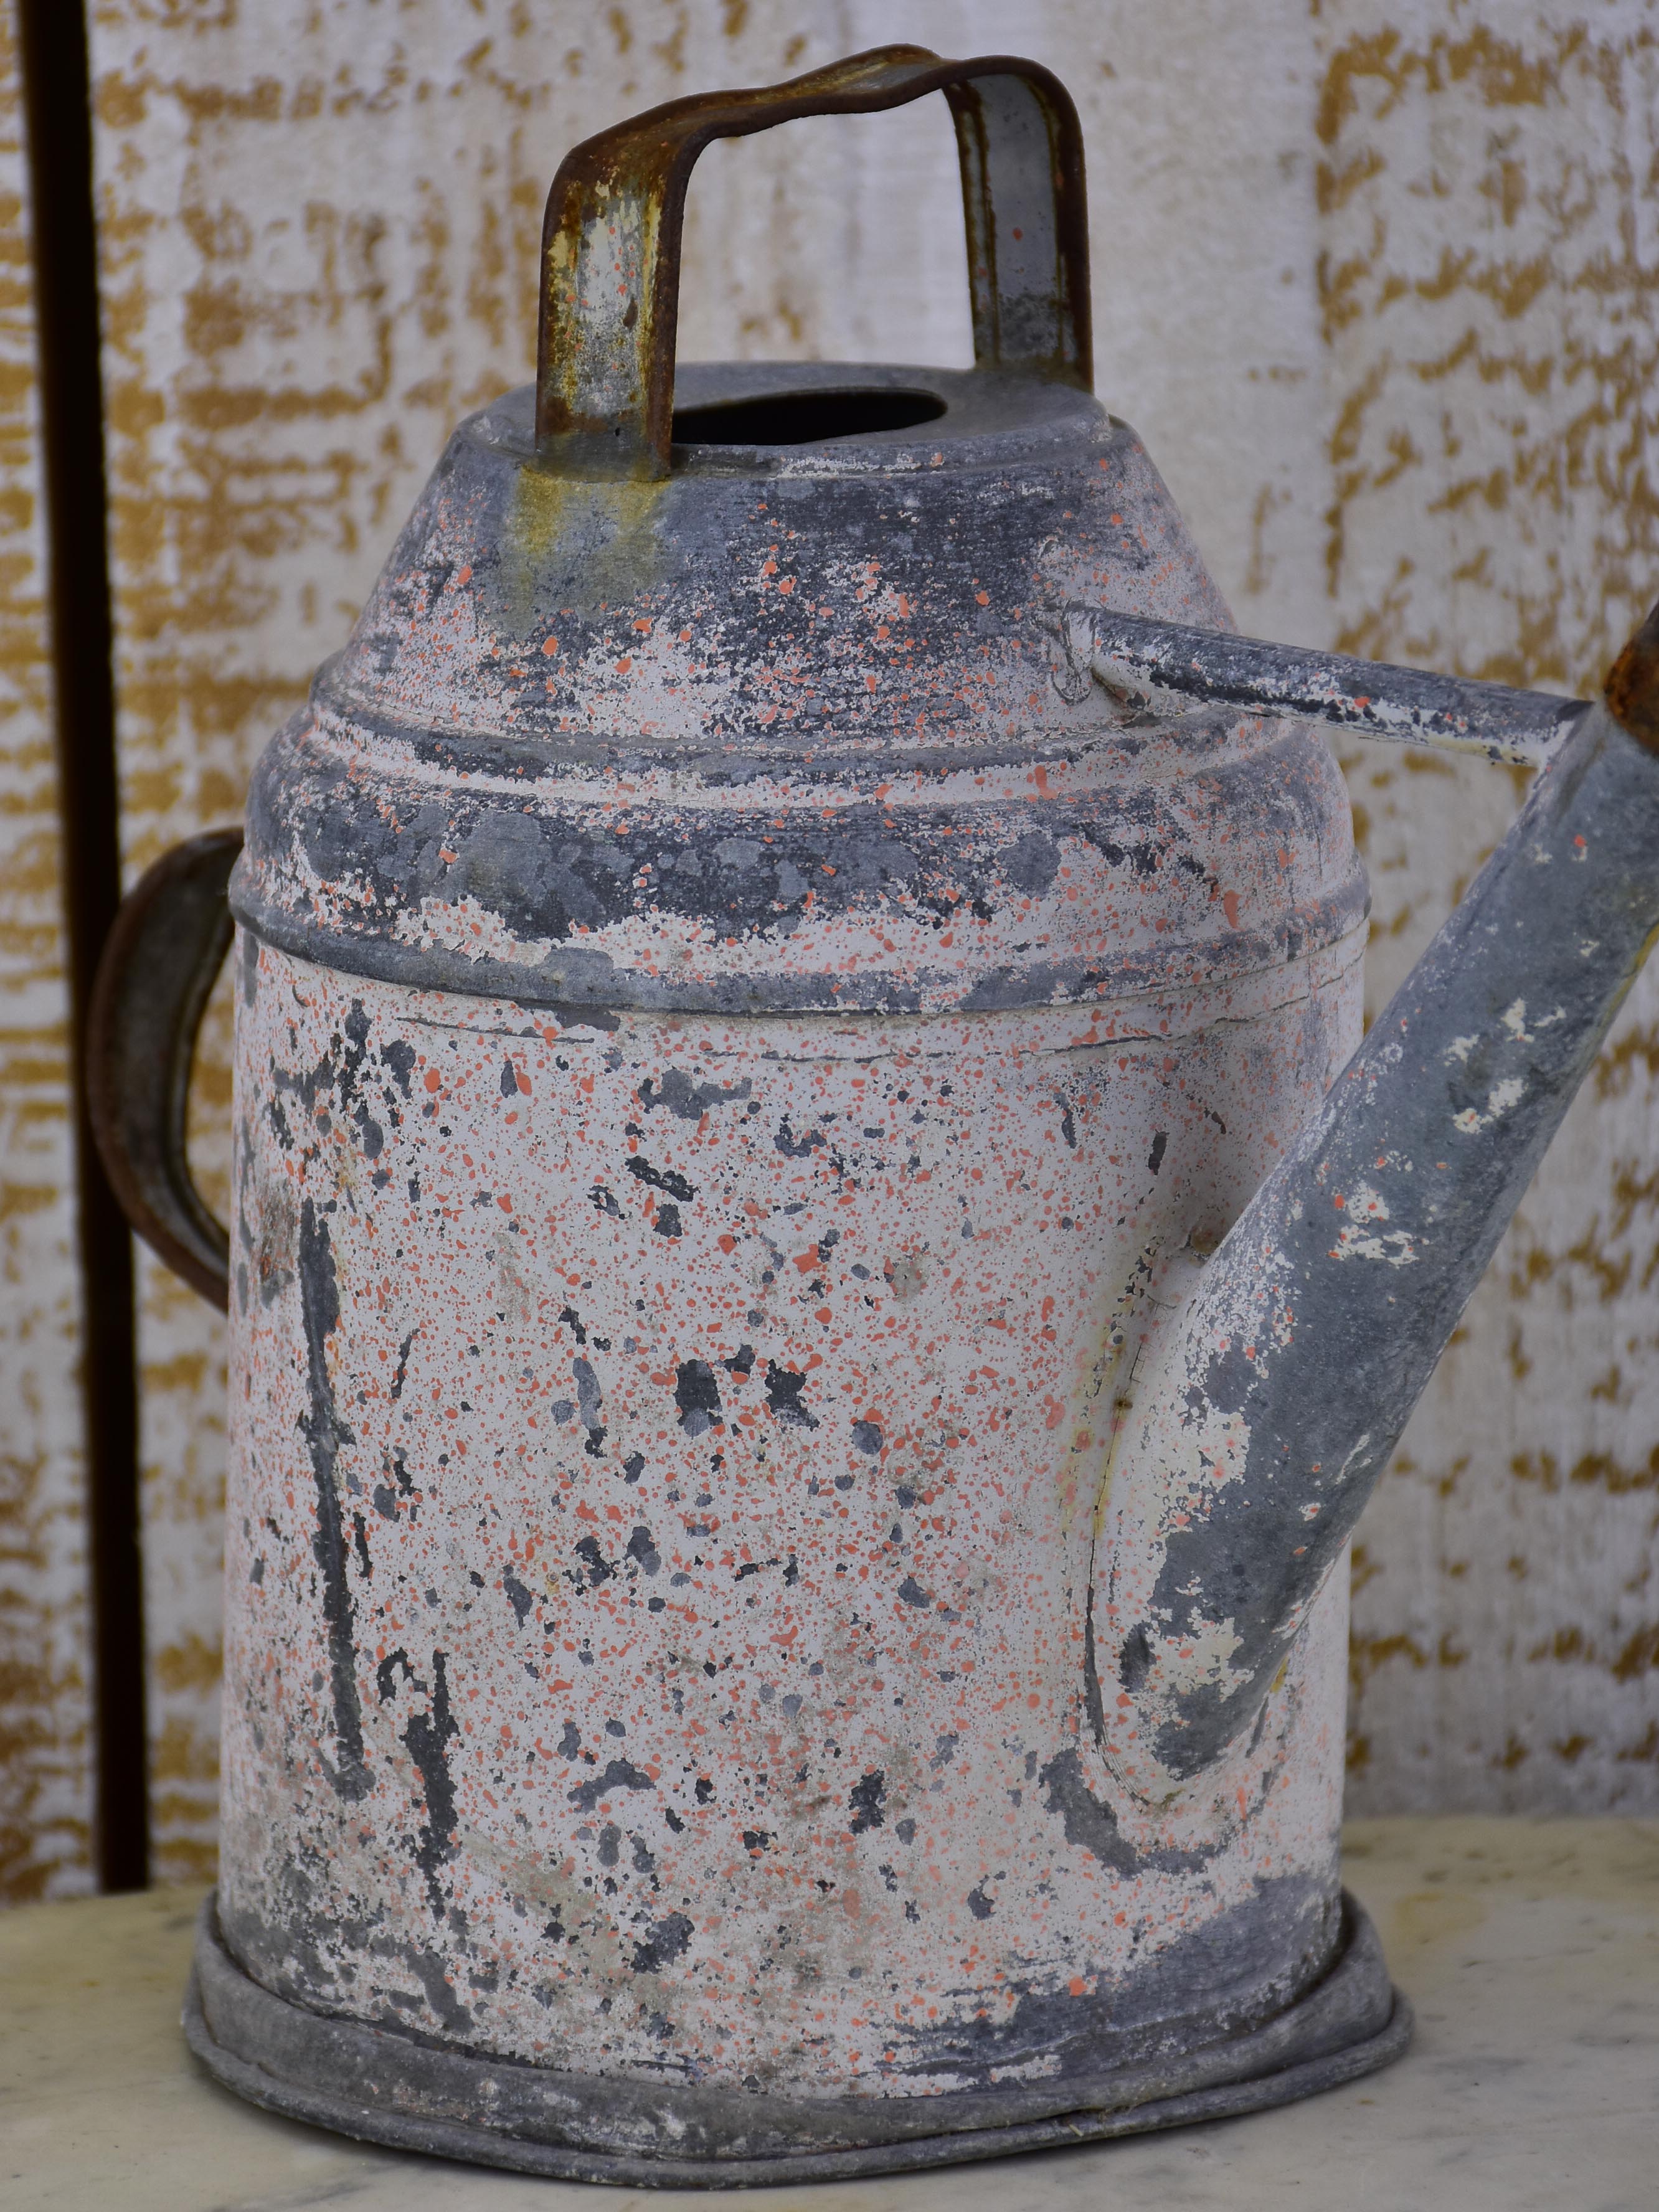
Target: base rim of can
{"points": [[478, 2145]]}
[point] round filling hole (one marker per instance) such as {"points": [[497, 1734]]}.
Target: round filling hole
{"points": [[805, 419]]}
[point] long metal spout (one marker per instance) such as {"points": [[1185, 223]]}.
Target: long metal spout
{"points": [[1170, 665], [1313, 1329]]}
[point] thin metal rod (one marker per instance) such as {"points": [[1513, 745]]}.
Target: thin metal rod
{"points": [[56, 91], [1400, 706]]}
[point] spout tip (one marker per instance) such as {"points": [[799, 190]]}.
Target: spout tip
{"points": [[1631, 689]]}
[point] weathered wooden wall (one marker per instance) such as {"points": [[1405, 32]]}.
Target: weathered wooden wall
{"points": [[1488, 226], [1376, 282]]}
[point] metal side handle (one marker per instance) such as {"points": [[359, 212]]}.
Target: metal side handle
{"points": [[158, 968]]}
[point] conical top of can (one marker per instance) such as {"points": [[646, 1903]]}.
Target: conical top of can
{"points": [[746, 687]]}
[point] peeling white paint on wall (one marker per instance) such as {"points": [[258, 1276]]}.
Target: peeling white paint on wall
{"points": [[1489, 236]]}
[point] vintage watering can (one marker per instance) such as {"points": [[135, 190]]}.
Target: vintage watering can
{"points": [[818, 1274]]}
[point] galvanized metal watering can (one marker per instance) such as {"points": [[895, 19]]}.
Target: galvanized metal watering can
{"points": [[819, 1272]]}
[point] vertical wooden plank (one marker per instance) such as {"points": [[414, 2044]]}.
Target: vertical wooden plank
{"points": [[1489, 238], [46, 1742]]}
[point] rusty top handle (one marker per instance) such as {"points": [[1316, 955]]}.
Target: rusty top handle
{"points": [[611, 241]]}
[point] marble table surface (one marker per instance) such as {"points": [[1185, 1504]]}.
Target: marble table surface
{"points": [[1529, 1948]]}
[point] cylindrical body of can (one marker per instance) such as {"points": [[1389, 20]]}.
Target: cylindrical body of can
{"points": [[668, 1457], [740, 1047]]}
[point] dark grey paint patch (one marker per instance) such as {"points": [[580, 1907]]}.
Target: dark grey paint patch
{"points": [[666, 1179], [1093, 1827], [619, 1774], [783, 1397], [667, 1940], [697, 1394], [598, 1568], [686, 1099], [400, 1059], [867, 1802], [325, 1432], [439, 1993], [1135, 1661], [427, 1738], [1031, 863], [589, 1405], [793, 1148]]}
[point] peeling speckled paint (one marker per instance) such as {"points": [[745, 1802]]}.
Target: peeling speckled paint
{"points": [[689, 1650]]}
